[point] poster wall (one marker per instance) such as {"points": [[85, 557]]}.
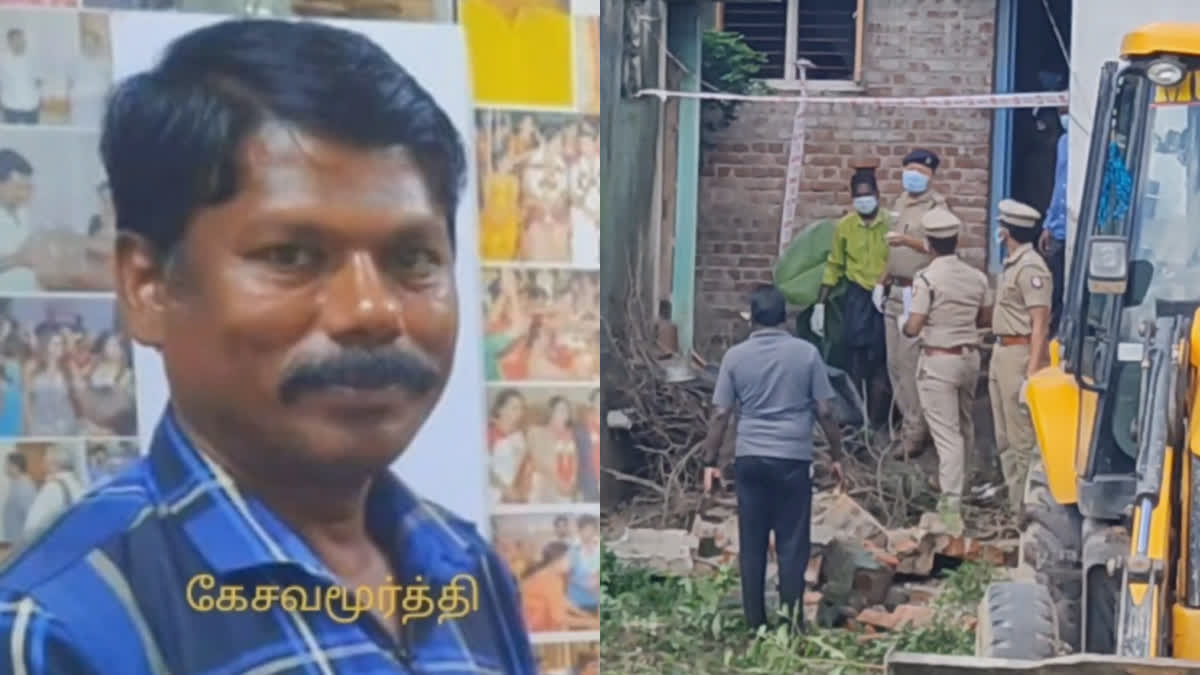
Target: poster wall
{"points": [[535, 68], [60, 341]]}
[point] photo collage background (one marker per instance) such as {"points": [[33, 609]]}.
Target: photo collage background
{"points": [[67, 390], [68, 418], [538, 152]]}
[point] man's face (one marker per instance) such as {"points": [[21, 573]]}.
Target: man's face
{"points": [[325, 252], [16, 192], [587, 534]]}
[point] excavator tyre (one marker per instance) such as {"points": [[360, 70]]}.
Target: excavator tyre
{"points": [[1017, 620]]}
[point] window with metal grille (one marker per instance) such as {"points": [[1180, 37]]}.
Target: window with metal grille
{"points": [[824, 32]]}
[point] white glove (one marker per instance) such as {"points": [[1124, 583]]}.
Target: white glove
{"points": [[817, 321], [877, 297]]}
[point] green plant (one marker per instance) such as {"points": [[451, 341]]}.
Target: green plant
{"points": [[732, 66], [693, 625]]}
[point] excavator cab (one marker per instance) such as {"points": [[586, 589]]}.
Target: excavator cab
{"points": [[1110, 531]]}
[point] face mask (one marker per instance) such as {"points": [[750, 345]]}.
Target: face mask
{"points": [[866, 204], [1000, 235], [1065, 120], [914, 181]]}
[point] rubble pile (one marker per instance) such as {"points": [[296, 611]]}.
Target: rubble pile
{"points": [[860, 573]]}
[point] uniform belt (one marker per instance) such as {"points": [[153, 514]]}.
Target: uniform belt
{"points": [[1012, 340], [956, 351], [902, 282]]}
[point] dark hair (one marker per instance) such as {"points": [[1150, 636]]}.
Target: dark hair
{"points": [[556, 401], [102, 340], [587, 520], [551, 553], [18, 460], [502, 400], [46, 330], [12, 162], [172, 134], [13, 32], [943, 245], [561, 519], [1023, 235], [767, 306]]}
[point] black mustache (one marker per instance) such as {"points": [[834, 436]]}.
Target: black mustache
{"points": [[356, 368]]}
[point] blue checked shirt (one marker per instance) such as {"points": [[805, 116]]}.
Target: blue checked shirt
{"points": [[104, 589]]}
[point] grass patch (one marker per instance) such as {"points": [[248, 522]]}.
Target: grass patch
{"points": [[654, 625]]}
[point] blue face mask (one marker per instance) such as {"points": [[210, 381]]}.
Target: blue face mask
{"points": [[1000, 235], [866, 204], [1065, 120], [914, 181]]}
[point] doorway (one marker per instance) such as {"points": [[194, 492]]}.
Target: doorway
{"points": [[1033, 39]]}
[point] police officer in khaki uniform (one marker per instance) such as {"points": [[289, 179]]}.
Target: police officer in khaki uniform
{"points": [[1021, 322], [951, 301], [907, 253]]}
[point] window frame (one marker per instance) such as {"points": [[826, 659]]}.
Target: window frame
{"points": [[791, 47]]}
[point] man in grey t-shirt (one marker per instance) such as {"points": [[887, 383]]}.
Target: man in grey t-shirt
{"points": [[780, 387]]}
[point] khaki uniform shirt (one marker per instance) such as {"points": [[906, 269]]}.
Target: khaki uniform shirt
{"points": [[950, 293], [1025, 283], [902, 260]]}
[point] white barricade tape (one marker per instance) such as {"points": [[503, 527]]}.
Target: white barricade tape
{"points": [[976, 101]]}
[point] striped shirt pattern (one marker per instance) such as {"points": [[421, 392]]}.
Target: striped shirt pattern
{"points": [[103, 589]]}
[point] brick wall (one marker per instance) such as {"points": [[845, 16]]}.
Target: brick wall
{"points": [[910, 48]]}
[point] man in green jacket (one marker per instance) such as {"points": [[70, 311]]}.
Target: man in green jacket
{"points": [[858, 255]]}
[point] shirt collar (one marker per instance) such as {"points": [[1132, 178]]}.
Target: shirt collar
{"points": [[880, 218], [420, 538], [1017, 254], [768, 332]]}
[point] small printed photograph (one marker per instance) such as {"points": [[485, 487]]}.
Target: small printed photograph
{"points": [[55, 67], [587, 64], [556, 559], [107, 458], [541, 325], [540, 187], [65, 369], [543, 444], [568, 658], [57, 223], [40, 480], [520, 51]]}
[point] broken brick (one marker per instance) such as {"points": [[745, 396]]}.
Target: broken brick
{"points": [[885, 558], [915, 616]]}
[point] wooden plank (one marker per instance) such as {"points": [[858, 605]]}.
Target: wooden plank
{"points": [[1076, 664]]}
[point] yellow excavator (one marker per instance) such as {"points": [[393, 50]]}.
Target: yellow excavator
{"points": [[1109, 573]]}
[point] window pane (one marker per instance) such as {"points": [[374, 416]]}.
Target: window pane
{"points": [[825, 35], [764, 27]]}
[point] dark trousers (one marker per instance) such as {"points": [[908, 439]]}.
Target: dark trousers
{"points": [[773, 495], [1056, 259], [21, 116]]}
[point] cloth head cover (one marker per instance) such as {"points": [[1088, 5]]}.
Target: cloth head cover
{"points": [[1016, 214], [926, 158], [864, 173], [940, 223]]}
